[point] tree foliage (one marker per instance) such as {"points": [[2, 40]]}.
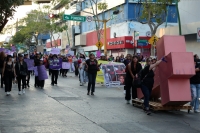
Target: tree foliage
{"points": [[154, 13], [7, 9]]}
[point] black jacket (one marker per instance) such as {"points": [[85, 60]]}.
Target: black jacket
{"points": [[25, 68], [196, 78]]}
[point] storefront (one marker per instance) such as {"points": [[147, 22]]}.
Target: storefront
{"points": [[125, 45], [56, 43]]}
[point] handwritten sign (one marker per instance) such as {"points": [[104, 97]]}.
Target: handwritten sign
{"points": [[55, 51], [65, 65]]}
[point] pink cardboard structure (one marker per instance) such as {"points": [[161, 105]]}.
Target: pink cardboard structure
{"points": [[175, 74]]}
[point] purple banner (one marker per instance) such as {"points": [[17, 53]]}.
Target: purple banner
{"points": [[98, 54], [55, 64], [2, 49], [65, 65], [30, 63], [35, 71], [42, 73]]}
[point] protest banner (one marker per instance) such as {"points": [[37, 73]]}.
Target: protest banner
{"points": [[55, 64], [35, 71], [30, 63], [55, 51], [65, 65], [42, 73]]}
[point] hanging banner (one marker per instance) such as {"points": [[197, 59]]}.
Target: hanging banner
{"points": [[30, 63], [42, 73]]}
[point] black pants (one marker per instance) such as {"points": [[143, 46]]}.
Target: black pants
{"points": [[64, 72], [50, 71], [21, 79], [41, 83], [28, 77], [61, 70], [8, 81], [36, 81], [92, 80], [54, 76], [128, 86], [76, 70], [2, 81]]}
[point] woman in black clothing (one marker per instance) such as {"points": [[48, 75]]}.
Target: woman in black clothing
{"points": [[21, 70], [8, 73], [91, 67], [147, 77], [64, 71], [134, 68], [2, 58]]}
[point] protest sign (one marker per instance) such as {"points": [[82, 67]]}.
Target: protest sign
{"points": [[55, 51], [42, 73], [2, 49], [71, 53], [55, 64], [40, 49], [98, 54], [30, 63], [65, 65], [35, 71]]}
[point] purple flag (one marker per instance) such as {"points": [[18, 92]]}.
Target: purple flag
{"points": [[35, 71], [42, 73], [55, 64], [98, 54], [65, 65], [30, 63]]}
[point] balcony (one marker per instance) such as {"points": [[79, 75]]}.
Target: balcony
{"points": [[29, 2]]}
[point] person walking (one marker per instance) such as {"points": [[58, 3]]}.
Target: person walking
{"points": [[195, 87], [8, 73], [92, 68], [55, 69], [64, 71], [37, 63], [147, 77], [21, 70], [81, 69], [2, 59], [134, 68]]}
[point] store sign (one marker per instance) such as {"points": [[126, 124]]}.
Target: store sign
{"points": [[116, 43]]}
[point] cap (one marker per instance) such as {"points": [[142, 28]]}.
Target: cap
{"points": [[102, 54]]}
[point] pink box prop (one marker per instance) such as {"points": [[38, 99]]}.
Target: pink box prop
{"points": [[172, 78]]}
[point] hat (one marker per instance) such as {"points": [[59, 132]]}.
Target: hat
{"points": [[102, 54]]}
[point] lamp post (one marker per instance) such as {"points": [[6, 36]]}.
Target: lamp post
{"points": [[104, 21]]}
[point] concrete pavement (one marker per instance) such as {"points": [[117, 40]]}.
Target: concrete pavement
{"points": [[67, 109]]}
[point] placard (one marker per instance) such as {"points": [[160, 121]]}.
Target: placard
{"points": [[30, 63], [42, 73], [65, 65]]}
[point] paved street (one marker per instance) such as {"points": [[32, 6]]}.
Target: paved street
{"points": [[67, 109]]}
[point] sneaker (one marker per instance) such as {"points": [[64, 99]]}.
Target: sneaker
{"points": [[23, 90], [88, 93], [128, 101], [148, 112], [7, 93], [20, 92], [92, 93], [196, 111], [81, 84]]}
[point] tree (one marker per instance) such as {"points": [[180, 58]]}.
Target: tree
{"points": [[7, 9], [154, 13]]}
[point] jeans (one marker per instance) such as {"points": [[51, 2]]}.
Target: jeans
{"points": [[92, 80], [54, 76], [82, 75], [147, 93], [22, 79], [195, 90]]}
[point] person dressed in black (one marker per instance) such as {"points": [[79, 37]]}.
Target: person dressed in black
{"points": [[134, 68], [147, 77], [54, 71], [92, 68], [49, 59], [21, 70], [2, 59], [64, 71], [37, 63], [8, 73]]}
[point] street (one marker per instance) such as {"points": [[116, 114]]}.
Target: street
{"points": [[67, 109]]}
